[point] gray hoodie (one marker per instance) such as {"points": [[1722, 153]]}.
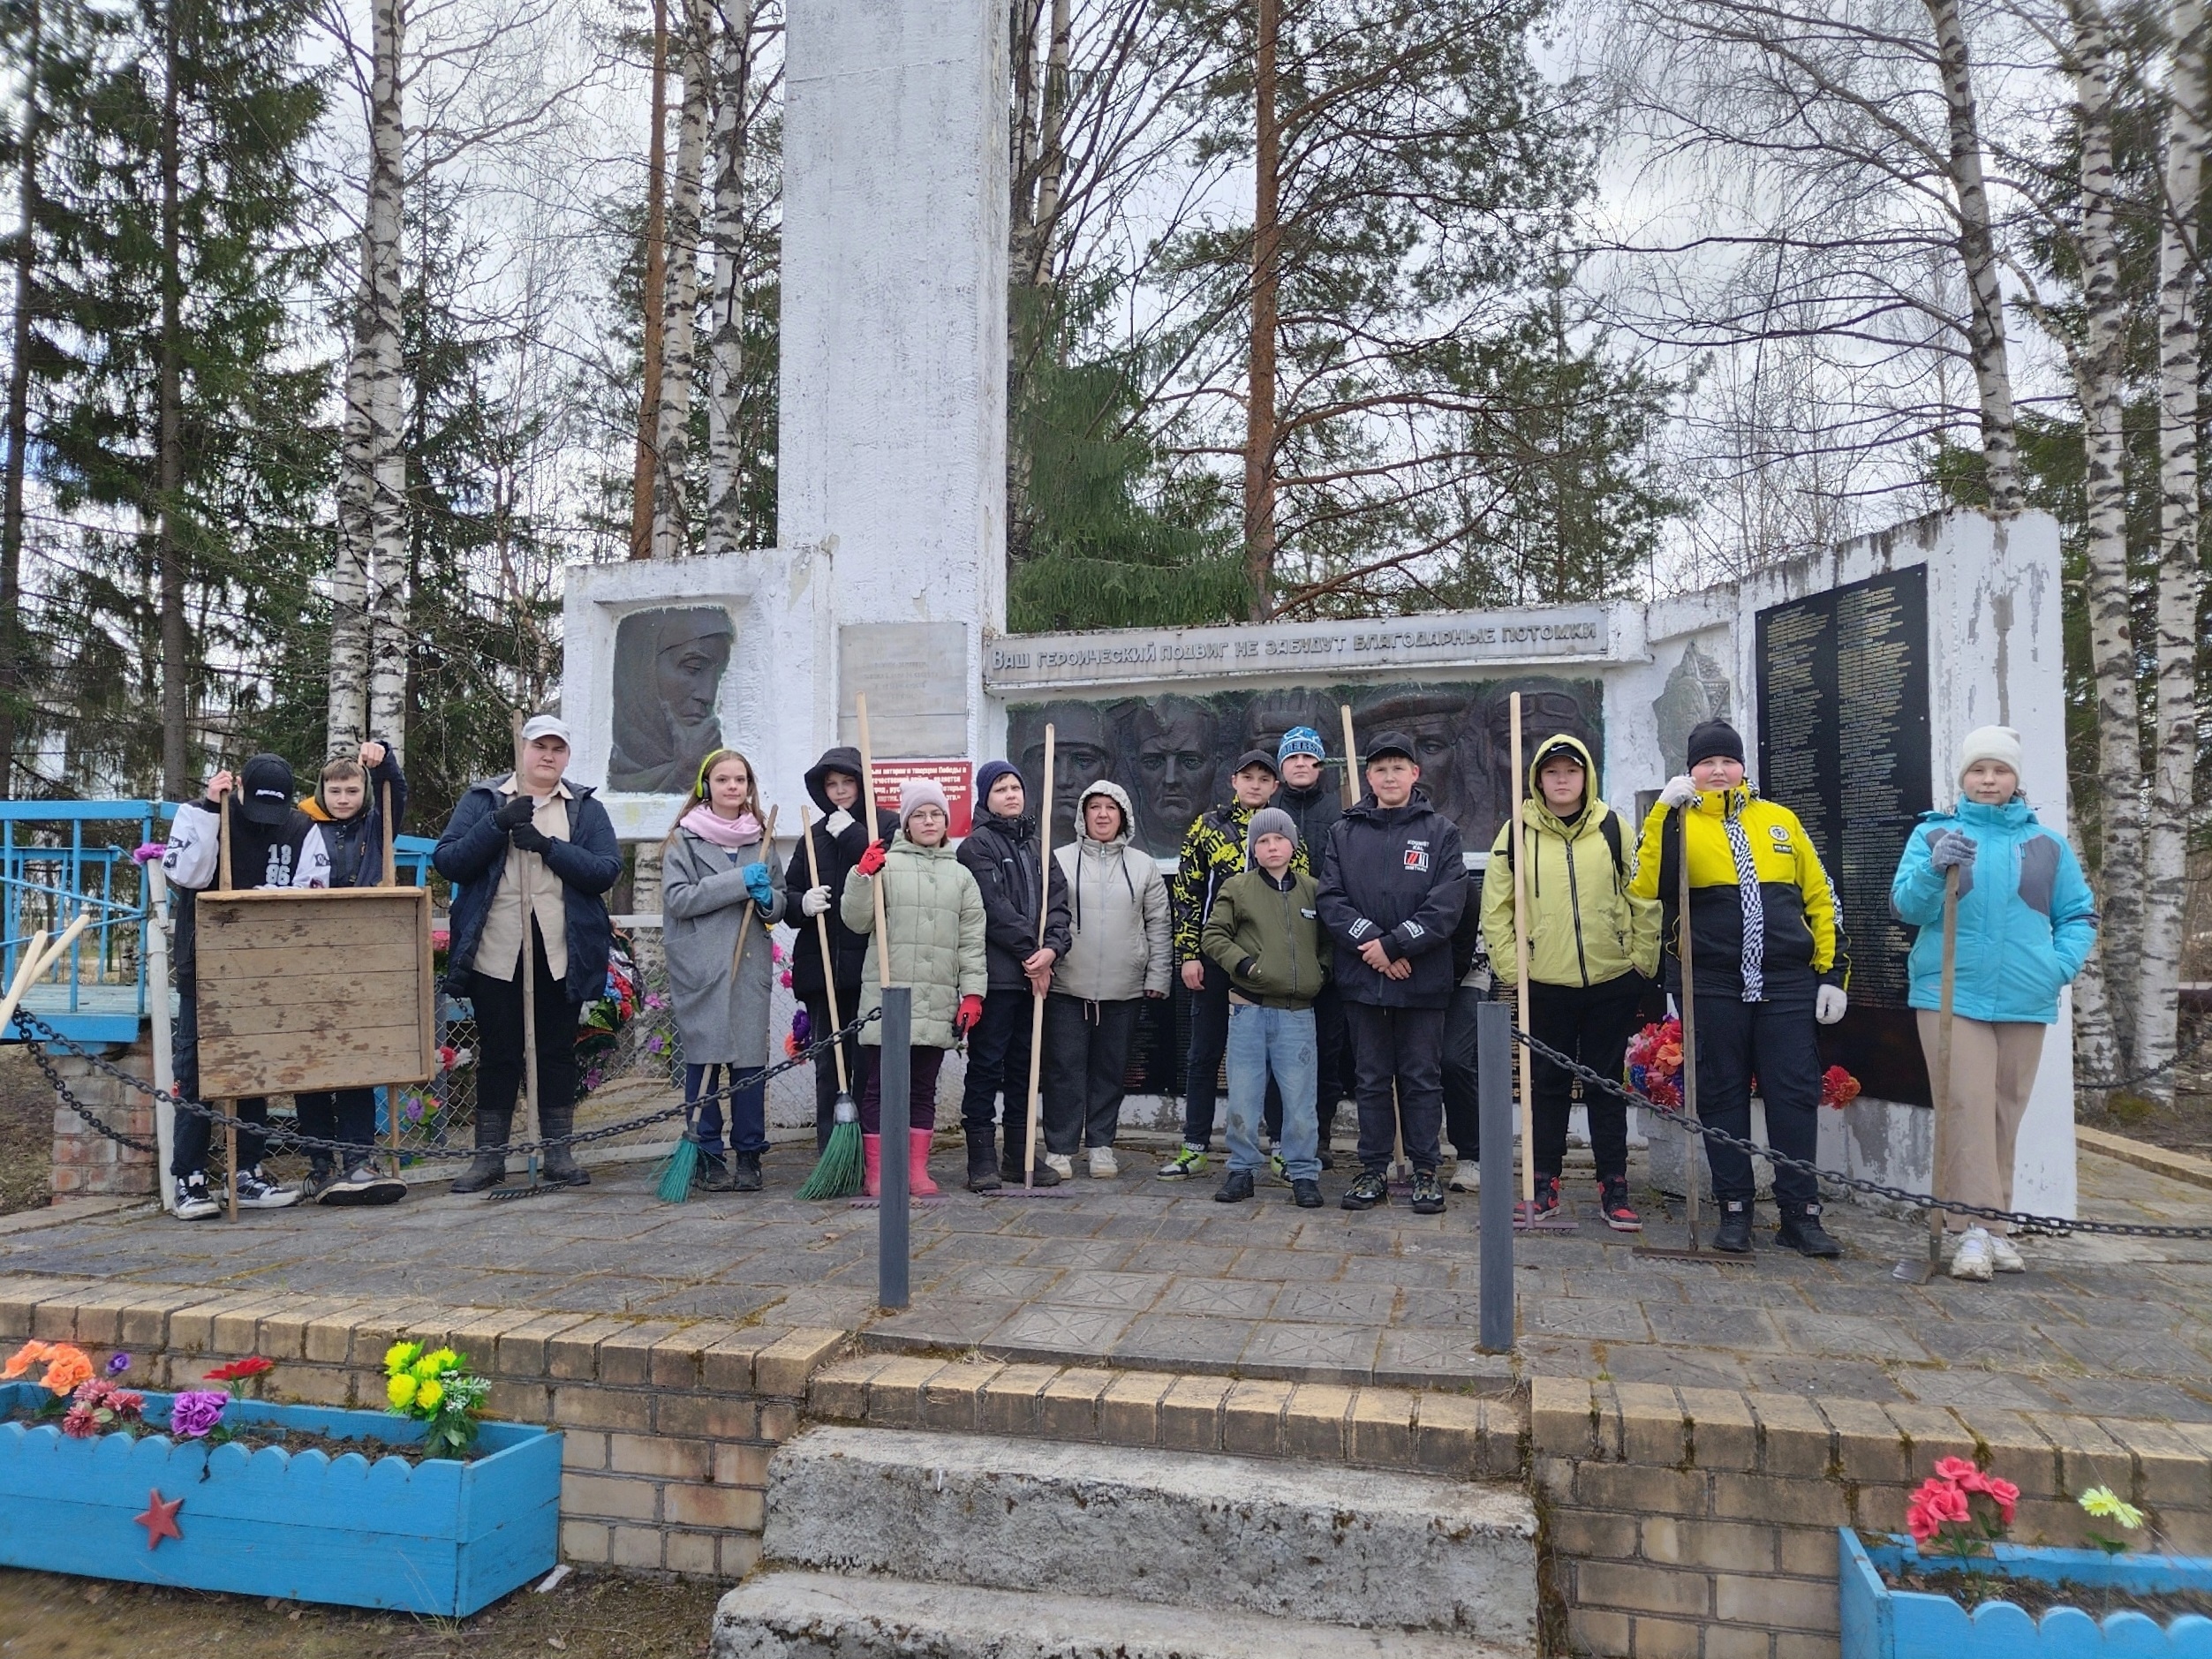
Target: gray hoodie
{"points": [[1117, 913]]}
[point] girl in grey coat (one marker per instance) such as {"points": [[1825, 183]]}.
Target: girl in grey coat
{"points": [[1118, 956], [715, 867]]}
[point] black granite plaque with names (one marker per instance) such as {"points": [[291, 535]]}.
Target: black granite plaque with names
{"points": [[1843, 691]]}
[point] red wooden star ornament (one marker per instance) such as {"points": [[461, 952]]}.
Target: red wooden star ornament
{"points": [[159, 1519]]}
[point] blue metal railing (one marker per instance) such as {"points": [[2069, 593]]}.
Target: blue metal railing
{"points": [[59, 859]]}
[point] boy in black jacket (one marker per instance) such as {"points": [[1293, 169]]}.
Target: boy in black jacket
{"points": [[1393, 887], [1001, 853]]}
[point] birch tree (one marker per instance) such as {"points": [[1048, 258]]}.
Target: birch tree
{"points": [[672, 505], [743, 95]]}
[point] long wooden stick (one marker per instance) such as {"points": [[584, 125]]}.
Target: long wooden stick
{"points": [[390, 879], [1520, 968], [745, 922], [1036, 1107], [821, 933], [868, 817], [1693, 1143], [223, 880], [528, 969], [1941, 1095], [1351, 762]]}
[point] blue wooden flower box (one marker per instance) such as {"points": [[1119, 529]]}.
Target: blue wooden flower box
{"points": [[437, 1536], [1879, 1623]]}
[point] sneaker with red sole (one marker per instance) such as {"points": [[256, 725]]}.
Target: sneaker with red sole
{"points": [[1613, 1200]]}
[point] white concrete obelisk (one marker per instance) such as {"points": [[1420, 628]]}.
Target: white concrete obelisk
{"points": [[892, 429]]}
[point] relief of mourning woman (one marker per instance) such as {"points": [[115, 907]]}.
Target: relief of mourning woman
{"points": [[668, 669]]}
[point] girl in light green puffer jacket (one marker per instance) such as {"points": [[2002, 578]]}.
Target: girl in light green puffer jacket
{"points": [[933, 912]]}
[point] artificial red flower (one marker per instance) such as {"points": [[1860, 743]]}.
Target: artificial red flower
{"points": [[1960, 1469], [2003, 1494], [1838, 1088], [241, 1371], [78, 1423]]}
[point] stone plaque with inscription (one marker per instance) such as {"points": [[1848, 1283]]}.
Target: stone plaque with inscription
{"points": [[1844, 743], [915, 677]]}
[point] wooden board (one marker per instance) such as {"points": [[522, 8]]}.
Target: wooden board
{"points": [[314, 991]]}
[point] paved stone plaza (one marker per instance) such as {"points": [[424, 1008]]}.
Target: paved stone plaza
{"points": [[1143, 1273]]}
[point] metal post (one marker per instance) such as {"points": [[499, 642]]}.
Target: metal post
{"points": [[1493, 1077], [897, 1060]]}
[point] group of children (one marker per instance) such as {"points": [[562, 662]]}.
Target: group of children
{"points": [[1300, 930]]}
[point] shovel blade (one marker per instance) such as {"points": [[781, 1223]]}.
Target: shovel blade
{"points": [[1913, 1270]]}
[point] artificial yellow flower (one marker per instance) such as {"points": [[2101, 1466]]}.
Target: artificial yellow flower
{"points": [[399, 1356], [2106, 1504], [428, 1395], [401, 1391], [446, 1360]]}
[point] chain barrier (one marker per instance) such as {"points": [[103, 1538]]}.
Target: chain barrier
{"points": [[1592, 1078], [285, 1139], [2113, 1085]]}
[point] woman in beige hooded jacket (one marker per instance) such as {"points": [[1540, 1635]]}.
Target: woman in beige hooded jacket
{"points": [[1119, 956]]}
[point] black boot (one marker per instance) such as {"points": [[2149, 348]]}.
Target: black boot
{"points": [[489, 1166], [557, 1166], [1733, 1235], [983, 1164], [714, 1174], [1800, 1231], [745, 1176]]}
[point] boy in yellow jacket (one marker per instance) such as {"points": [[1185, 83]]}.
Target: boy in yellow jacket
{"points": [[1766, 939], [1593, 946]]}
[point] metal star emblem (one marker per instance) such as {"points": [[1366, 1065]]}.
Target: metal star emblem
{"points": [[159, 1519]]}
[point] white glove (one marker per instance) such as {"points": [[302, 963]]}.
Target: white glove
{"points": [[1828, 1005], [837, 823], [1679, 791], [815, 900]]}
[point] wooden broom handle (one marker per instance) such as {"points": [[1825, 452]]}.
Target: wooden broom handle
{"points": [[821, 933], [868, 809]]}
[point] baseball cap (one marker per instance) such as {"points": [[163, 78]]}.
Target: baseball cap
{"points": [[264, 789]]}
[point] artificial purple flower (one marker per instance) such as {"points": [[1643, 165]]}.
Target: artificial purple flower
{"points": [[802, 1027], [195, 1413], [118, 1364]]}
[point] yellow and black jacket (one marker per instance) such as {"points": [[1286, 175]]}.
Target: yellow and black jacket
{"points": [[1586, 927], [1763, 910]]}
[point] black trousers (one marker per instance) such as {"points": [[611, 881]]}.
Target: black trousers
{"points": [[343, 1115], [1330, 1041], [999, 1063], [188, 1152], [825, 1063], [499, 1067], [1462, 1114], [1592, 1024], [1401, 1056], [1086, 1068], [1202, 1065], [1776, 1041]]}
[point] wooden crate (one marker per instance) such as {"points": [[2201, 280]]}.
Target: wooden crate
{"points": [[311, 990]]}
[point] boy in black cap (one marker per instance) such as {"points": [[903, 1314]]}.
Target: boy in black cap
{"points": [[1213, 852], [1393, 885], [273, 844]]}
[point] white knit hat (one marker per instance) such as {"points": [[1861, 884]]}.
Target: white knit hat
{"points": [[2000, 743]]}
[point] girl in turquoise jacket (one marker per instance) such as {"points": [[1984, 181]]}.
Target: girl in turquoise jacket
{"points": [[2027, 922]]}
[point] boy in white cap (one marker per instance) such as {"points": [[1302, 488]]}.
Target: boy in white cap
{"points": [[2026, 922]]}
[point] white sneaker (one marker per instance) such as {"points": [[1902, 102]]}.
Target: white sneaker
{"points": [[256, 1191], [1972, 1259], [193, 1200], [1061, 1165], [1102, 1165], [2004, 1256]]}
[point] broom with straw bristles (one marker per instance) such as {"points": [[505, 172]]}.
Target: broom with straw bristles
{"points": [[837, 1172]]}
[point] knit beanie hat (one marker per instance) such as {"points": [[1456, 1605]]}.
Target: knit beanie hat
{"points": [[1269, 820], [1709, 738], [920, 792], [989, 774], [2000, 743], [1300, 740]]}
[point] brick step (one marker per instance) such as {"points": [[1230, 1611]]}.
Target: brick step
{"points": [[1327, 1544], [797, 1615]]}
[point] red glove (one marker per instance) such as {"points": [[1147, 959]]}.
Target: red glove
{"points": [[971, 1011], [872, 859]]}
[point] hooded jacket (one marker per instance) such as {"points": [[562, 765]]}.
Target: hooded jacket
{"points": [[1117, 905], [1213, 851], [1585, 927], [473, 855], [935, 918], [722, 1014], [356, 844], [1001, 854], [1396, 874], [838, 852], [2027, 918], [1762, 911]]}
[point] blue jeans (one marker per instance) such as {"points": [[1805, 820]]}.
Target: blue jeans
{"points": [[747, 1106], [1280, 1041]]}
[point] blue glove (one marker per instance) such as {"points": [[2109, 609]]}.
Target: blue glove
{"points": [[1949, 847], [759, 883]]}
